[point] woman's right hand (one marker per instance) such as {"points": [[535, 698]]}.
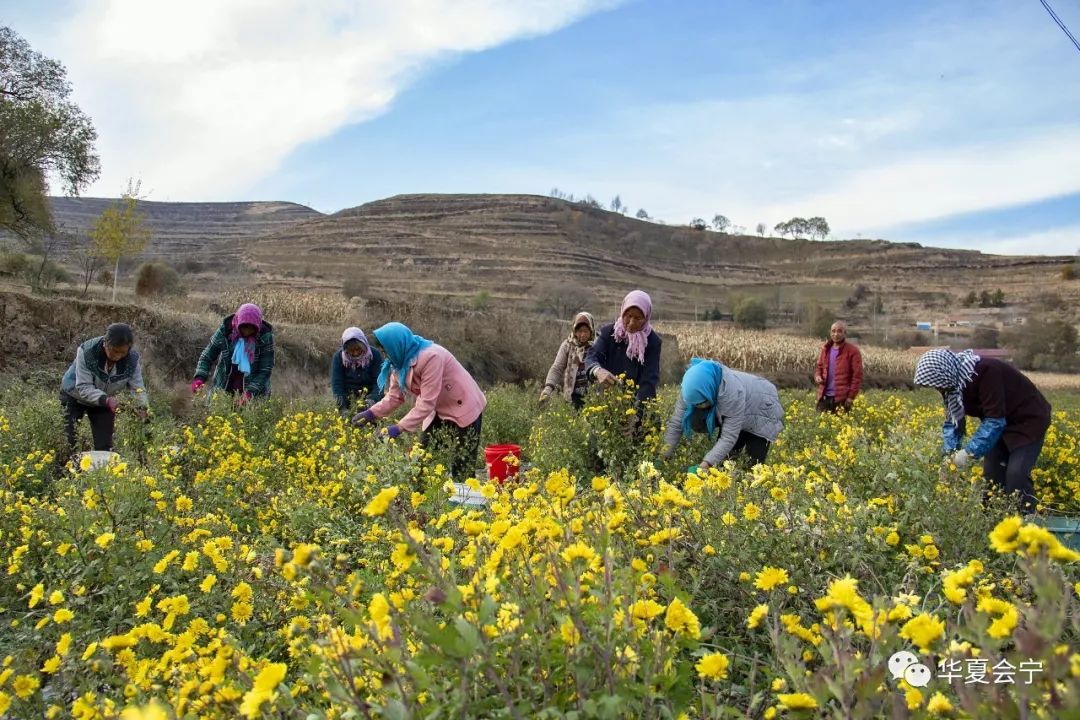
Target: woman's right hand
{"points": [[545, 395], [604, 377], [196, 385]]}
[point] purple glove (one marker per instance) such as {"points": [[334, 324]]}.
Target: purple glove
{"points": [[110, 402], [391, 432], [361, 419]]}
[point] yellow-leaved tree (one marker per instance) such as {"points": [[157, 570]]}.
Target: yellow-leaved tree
{"points": [[120, 231]]}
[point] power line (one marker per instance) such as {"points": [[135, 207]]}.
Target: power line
{"points": [[1060, 24]]}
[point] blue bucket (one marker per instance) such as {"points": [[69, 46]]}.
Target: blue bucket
{"points": [[1065, 529]]}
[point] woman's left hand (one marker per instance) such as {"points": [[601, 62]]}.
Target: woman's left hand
{"points": [[704, 465]]}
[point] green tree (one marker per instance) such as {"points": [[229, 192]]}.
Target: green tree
{"points": [[120, 231], [699, 224], [752, 314], [42, 134]]}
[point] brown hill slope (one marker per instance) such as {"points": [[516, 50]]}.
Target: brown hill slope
{"points": [[523, 248], [530, 250], [187, 230]]}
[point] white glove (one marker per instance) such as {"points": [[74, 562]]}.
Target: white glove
{"points": [[961, 459]]}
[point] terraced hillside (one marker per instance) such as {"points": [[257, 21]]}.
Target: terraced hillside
{"points": [[523, 248], [530, 251], [185, 230]]}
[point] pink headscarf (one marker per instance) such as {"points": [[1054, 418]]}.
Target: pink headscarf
{"points": [[638, 341], [247, 314], [350, 362]]}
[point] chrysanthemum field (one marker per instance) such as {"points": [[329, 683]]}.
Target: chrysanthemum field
{"points": [[275, 562]]}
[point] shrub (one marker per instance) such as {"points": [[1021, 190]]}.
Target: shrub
{"points": [[157, 278], [355, 287], [751, 314]]}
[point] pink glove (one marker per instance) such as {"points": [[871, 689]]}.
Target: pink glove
{"points": [[196, 384], [243, 399], [110, 402]]}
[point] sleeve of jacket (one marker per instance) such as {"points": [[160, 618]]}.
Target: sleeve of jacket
{"points": [[856, 373], [430, 370], [137, 386], [673, 433], [820, 368], [371, 378], [732, 407], [597, 356], [391, 400], [650, 376], [951, 436], [337, 382], [209, 355], [259, 380], [555, 374], [85, 390], [986, 437]]}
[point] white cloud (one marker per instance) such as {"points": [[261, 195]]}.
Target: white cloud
{"points": [[203, 98], [941, 183], [1064, 240]]}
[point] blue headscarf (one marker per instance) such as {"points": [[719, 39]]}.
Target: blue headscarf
{"points": [[402, 347], [700, 383]]}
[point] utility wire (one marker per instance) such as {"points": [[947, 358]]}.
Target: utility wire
{"points": [[1060, 24]]}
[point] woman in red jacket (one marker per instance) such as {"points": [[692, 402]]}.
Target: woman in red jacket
{"points": [[839, 371]]}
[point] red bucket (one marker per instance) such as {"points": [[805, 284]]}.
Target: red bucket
{"points": [[499, 466]]}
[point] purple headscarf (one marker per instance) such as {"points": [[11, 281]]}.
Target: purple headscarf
{"points": [[638, 341], [350, 362], [247, 314]]}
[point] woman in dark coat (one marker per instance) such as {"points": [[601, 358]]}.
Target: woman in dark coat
{"points": [[354, 369], [1015, 417], [629, 347]]}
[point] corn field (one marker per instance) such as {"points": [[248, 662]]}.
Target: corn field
{"points": [[295, 307], [763, 352]]}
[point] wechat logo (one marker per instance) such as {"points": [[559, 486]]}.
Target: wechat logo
{"points": [[905, 665]]}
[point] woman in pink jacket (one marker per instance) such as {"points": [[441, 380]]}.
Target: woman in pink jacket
{"points": [[446, 396]]}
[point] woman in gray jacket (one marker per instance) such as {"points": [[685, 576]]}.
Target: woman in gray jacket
{"points": [[744, 407], [103, 366]]}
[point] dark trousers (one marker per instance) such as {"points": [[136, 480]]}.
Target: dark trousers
{"points": [[102, 422], [755, 447], [464, 444], [829, 404], [1011, 471]]}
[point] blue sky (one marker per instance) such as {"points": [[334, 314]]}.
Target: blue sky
{"points": [[946, 123]]}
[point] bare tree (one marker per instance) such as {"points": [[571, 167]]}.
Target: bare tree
{"points": [[642, 215], [761, 229], [720, 223], [617, 204], [562, 298], [86, 259]]}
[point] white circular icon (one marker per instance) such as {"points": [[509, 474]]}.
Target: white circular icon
{"points": [[901, 661], [917, 675]]}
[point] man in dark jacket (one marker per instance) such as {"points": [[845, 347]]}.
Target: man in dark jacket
{"points": [[103, 366], [839, 371]]}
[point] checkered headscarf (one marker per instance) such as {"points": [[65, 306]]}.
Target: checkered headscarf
{"points": [[945, 370]]}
